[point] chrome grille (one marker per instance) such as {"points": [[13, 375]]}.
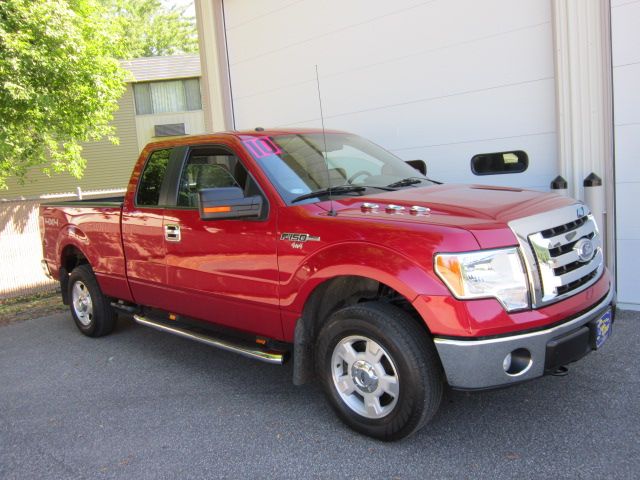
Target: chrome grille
{"points": [[554, 263]]}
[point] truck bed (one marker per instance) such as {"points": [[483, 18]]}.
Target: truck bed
{"points": [[94, 228]]}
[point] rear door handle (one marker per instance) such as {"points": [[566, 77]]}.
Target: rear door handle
{"points": [[172, 233]]}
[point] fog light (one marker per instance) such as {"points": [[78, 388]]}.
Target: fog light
{"points": [[517, 362]]}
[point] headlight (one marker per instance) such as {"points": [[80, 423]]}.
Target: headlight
{"points": [[486, 273]]}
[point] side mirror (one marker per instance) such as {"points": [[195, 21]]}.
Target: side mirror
{"points": [[227, 202], [419, 165]]}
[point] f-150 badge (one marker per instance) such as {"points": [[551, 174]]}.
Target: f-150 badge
{"points": [[297, 239]]}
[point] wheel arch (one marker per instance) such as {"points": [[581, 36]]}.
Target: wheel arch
{"points": [[331, 295], [69, 258]]}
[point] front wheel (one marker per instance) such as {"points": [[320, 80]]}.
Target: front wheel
{"points": [[379, 370], [90, 309]]}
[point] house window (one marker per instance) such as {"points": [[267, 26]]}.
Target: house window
{"points": [[167, 96]]}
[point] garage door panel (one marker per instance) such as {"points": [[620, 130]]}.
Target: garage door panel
{"points": [[305, 21], [626, 206], [388, 38], [282, 108], [488, 64], [509, 58], [625, 37], [504, 112], [457, 76], [409, 24], [626, 34], [540, 149], [627, 95], [628, 152], [628, 271], [239, 13]]}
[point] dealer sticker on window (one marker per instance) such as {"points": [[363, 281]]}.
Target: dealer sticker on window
{"points": [[603, 328]]}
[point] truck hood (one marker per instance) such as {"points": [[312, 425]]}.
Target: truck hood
{"points": [[483, 210]]}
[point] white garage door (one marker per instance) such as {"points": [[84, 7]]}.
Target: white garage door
{"points": [[440, 80], [625, 36]]}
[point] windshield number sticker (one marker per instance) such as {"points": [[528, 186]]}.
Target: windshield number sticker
{"points": [[261, 147]]}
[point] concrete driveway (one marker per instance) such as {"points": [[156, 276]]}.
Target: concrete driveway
{"points": [[143, 404]]}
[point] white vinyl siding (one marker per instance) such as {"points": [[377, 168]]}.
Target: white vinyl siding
{"points": [[625, 35], [441, 80]]}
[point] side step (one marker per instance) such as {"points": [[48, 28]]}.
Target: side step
{"points": [[245, 350]]}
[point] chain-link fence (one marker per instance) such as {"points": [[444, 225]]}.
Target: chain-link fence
{"points": [[20, 244]]}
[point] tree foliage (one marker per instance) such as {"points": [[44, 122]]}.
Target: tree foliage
{"points": [[147, 28], [59, 84], [60, 74]]}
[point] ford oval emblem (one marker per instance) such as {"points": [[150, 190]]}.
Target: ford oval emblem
{"points": [[581, 211], [585, 249]]}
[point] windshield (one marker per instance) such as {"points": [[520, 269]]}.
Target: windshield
{"points": [[295, 164]]}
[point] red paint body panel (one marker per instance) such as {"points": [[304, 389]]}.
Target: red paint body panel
{"points": [[240, 274], [448, 316], [95, 231], [225, 271], [145, 251]]}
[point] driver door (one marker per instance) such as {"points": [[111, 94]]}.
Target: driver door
{"points": [[221, 271]]}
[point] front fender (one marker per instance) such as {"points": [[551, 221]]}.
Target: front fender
{"points": [[362, 259]]}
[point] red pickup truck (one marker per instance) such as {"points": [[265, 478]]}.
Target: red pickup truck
{"points": [[379, 283]]}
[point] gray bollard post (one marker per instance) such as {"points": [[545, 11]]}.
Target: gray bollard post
{"points": [[559, 185], [594, 198]]}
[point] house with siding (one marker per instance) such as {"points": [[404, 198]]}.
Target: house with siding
{"points": [[162, 98]]}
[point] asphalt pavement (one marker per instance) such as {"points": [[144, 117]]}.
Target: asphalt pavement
{"points": [[143, 404]]}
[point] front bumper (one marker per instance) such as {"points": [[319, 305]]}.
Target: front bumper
{"points": [[478, 364]]}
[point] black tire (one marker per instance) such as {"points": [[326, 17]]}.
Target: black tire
{"points": [[95, 317], [409, 356]]}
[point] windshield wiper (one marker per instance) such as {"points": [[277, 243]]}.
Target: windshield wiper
{"points": [[386, 189], [405, 182], [340, 189]]}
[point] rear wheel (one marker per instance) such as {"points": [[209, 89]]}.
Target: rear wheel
{"points": [[379, 370], [89, 307]]}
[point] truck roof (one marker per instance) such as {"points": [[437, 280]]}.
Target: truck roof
{"points": [[271, 132]]}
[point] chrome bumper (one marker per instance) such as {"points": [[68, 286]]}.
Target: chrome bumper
{"points": [[478, 364]]}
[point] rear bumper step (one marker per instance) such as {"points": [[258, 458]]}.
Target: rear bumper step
{"points": [[276, 358]]}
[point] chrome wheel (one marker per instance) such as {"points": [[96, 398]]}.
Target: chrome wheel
{"points": [[82, 304], [365, 376]]}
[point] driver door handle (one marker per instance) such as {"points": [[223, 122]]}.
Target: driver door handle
{"points": [[172, 233]]}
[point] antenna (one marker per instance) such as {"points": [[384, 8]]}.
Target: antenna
{"points": [[332, 212]]}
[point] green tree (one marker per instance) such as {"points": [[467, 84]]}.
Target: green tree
{"points": [[147, 28], [60, 74], [59, 84]]}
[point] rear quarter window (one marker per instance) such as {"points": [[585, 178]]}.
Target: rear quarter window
{"points": [[152, 177]]}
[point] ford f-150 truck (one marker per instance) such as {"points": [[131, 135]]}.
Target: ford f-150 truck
{"points": [[382, 285]]}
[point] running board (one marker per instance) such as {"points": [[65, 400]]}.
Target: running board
{"points": [[257, 354]]}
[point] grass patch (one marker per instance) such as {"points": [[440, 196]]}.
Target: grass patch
{"points": [[30, 306]]}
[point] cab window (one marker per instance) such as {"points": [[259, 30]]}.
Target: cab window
{"points": [[152, 177], [212, 168]]}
